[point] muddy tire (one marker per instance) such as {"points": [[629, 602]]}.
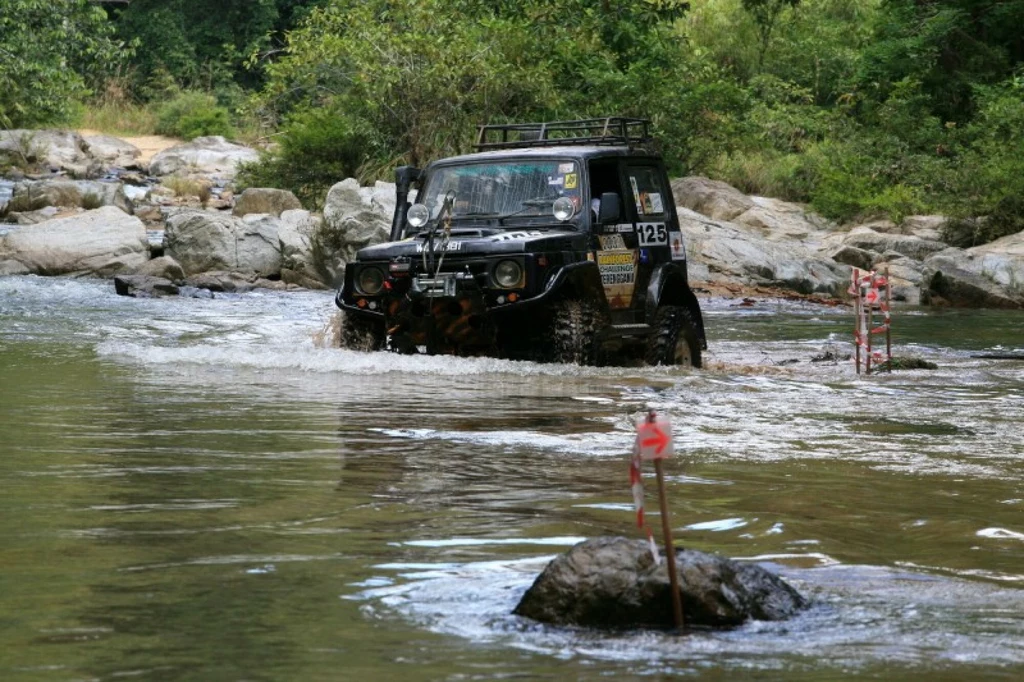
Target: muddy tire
{"points": [[572, 336], [674, 339], [360, 334]]}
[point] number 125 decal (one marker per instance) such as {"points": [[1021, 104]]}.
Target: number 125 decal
{"points": [[652, 234]]}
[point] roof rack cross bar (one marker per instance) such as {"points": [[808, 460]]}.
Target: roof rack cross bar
{"points": [[609, 131]]}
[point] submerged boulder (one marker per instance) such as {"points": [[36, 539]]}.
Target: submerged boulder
{"points": [[613, 582], [163, 267], [144, 286]]}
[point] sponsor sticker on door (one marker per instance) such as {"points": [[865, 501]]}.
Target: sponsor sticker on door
{"points": [[618, 275]]}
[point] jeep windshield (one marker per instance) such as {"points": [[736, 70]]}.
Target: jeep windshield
{"points": [[501, 192]]}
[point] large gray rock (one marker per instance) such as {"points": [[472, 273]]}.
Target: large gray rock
{"points": [[202, 241], [988, 276], [783, 220], [9, 267], [33, 217], [112, 151], [32, 195], [162, 267], [232, 282], [927, 227], [265, 200], [354, 217], [854, 257], [144, 286], [729, 253], [103, 242], [864, 237], [713, 198], [904, 278], [613, 582], [297, 261], [52, 149], [207, 155]]}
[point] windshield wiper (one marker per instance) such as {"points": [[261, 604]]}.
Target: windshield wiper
{"points": [[459, 216], [529, 204]]}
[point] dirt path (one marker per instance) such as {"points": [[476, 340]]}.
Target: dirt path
{"points": [[149, 145]]}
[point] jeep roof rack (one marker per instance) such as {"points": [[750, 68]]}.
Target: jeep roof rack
{"points": [[610, 131]]}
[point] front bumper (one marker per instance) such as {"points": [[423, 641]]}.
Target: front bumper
{"points": [[450, 313], [447, 314]]}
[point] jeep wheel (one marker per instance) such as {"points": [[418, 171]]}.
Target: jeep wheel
{"points": [[572, 336], [673, 339], [360, 334]]}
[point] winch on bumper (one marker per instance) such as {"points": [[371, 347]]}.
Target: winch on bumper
{"points": [[446, 313]]}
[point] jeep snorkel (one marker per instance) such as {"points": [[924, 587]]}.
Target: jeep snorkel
{"points": [[405, 176]]}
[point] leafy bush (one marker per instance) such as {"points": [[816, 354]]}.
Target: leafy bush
{"points": [[194, 114], [896, 202], [840, 185], [315, 150], [1006, 218], [765, 173]]}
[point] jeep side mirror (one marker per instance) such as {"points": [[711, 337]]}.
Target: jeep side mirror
{"points": [[610, 209]]}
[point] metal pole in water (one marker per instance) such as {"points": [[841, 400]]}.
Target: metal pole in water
{"points": [[888, 318], [855, 290], [869, 316]]}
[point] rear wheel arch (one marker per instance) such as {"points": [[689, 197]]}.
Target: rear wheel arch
{"points": [[669, 287], [673, 339]]}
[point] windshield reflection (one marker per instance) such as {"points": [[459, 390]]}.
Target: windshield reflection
{"points": [[506, 189]]}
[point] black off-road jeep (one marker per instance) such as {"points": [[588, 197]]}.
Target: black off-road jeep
{"points": [[555, 242]]}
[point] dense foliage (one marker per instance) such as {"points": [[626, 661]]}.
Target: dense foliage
{"points": [[193, 114], [50, 52], [860, 107], [203, 43]]}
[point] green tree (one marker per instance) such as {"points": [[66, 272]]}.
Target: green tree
{"points": [[766, 14], [949, 46], [419, 77], [50, 51], [199, 43], [424, 74]]}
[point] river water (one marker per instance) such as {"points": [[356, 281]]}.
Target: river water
{"points": [[194, 490]]}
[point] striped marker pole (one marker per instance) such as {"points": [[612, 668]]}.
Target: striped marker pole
{"points": [[654, 441], [871, 291]]}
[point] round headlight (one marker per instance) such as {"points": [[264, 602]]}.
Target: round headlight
{"points": [[371, 280], [418, 215], [508, 274], [563, 208]]}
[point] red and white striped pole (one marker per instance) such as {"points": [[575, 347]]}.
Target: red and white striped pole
{"points": [[654, 441]]}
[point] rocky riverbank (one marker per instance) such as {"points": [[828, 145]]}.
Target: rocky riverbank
{"points": [[93, 205]]}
